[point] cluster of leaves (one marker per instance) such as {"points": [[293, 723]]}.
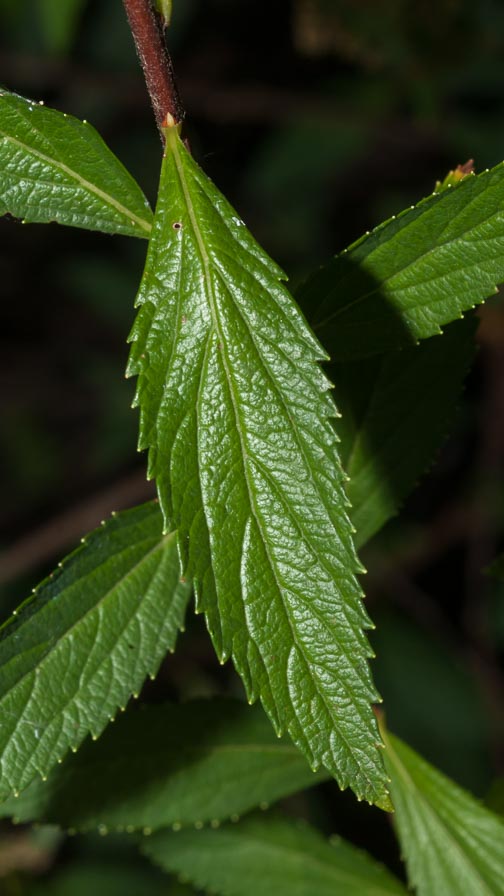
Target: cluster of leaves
{"points": [[242, 436]]}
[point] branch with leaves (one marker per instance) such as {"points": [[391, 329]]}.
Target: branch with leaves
{"points": [[254, 470]]}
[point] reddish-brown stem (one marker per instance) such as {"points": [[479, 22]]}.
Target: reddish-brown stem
{"points": [[148, 35]]}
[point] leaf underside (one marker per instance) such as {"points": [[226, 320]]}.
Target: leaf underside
{"points": [[451, 843], [413, 274], [201, 762], [54, 167], [268, 855], [85, 641], [235, 411]]}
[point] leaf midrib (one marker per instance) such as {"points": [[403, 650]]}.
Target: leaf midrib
{"points": [[209, 289], [82, 181]]}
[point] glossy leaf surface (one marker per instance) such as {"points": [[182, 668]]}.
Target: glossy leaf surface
{"points": [[201, 762], [85, 641], [414, 273], [270, 855], [54, 167], [451, 843], [235, 412]]}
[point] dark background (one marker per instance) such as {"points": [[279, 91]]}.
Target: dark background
{"points": [[317, 120]]}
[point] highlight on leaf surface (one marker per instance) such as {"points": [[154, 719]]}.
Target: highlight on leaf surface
{"points": [[54, 167], [86, 640], [270, 854], [201, 762], [451, 843], [235, 412], [413, 274]]}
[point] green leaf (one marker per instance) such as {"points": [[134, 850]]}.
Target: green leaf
{"points": [[395, 411], [270, 855], [54, 167], [451, 843], [414, 273], [85, 641], [201, 762], [235, 411], [164, 8]]}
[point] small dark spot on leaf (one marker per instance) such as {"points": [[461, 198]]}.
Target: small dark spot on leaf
{"points": [[177, 225]]}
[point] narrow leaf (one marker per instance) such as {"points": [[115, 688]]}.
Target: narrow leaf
{"points": [[54, 167], [235, 411], [270, 855], [201, 762], [85, 641], [414, 273], [395, 412], [451, 843]]}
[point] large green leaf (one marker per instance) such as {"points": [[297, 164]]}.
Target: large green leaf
{"points": [[451, 843], [270, 856], [54, 167], [235, 412], [85, 641], [395, 411], [413, 274], [201, 762]]}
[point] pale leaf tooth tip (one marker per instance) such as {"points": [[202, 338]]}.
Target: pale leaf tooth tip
{"points": [[130, 828], [146, 832], [102, 830], [198, 825], [71, 832], [176, 826], [16, 794], [215, 823], [234, 818], [44, 778]]}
